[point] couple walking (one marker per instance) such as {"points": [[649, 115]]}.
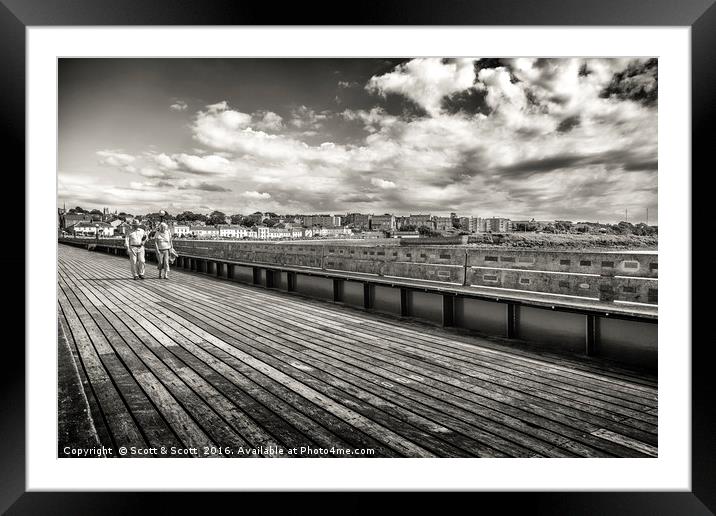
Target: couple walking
{"points": [[134, 242]]}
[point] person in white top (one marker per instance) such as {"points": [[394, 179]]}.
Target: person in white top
{"points": [[134, 242], [163, 246]]}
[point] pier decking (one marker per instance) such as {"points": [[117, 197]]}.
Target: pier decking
{"points": [[214, 366]]}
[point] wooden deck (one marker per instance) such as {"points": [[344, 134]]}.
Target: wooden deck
{"points": [[212, 367]]}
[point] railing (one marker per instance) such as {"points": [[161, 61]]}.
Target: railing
{"points": [[599, 276]]}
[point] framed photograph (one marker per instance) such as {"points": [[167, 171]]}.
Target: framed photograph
{"points": [[378, 254]]}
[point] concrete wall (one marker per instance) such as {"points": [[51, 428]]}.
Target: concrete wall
{"points": [[314, 286], [566, 331], [631, 342], [606, 276], [597, 262], [243, 274], [353, 293], [425, 305], [483, 316], [385, 299]]}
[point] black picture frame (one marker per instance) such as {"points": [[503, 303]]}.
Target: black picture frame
{"points": [[17, 15]]}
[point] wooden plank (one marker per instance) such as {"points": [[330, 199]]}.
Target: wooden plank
{"points": [[626, 441], [569, 391], [384, 434], [124, 429], [259, 437], [202, 411], [594, 422], [434, 401], [98, 419], [439, 341], [374, 406], [304, 423], [145, 395], [294, 361], [191, 418], [135, 296], [75, 428], [334, 442], [586, 368]]}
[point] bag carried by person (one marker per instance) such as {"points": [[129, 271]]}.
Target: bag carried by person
{"points": [[173, 255]]}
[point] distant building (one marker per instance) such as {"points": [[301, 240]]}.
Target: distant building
{"points": [[231, 231], [443, 223], [475, 225], [300, 232], [92, 229], [382, 222], [400, 221], [204, 231], [275, 232], [266, 233], [181, 230], [70, 219], [120, 227], [419, 221], [317, 220], [497, 225], [357, 220], [325, 221]]}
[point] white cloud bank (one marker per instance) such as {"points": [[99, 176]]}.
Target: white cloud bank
{"points": [[522, 137]]}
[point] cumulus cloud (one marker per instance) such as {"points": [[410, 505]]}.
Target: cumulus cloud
{"points": [[426, 81], [304, 117], [256, 195], [165, 161], [190, 184], [267, 121], [115, 158], [179, 105], [219, 106], [152, 172], [382, 183], [209, 164]]}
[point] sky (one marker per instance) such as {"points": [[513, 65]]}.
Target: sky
{"points": [[565, 139]]}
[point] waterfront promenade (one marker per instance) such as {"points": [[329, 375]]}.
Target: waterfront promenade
{"points": [[201, 363]]}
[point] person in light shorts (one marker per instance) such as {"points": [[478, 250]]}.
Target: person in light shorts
{"points": [[163, 247], [134, 242]]}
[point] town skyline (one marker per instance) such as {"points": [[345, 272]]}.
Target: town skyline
{"points": [[549, 139], [176, 215]]}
